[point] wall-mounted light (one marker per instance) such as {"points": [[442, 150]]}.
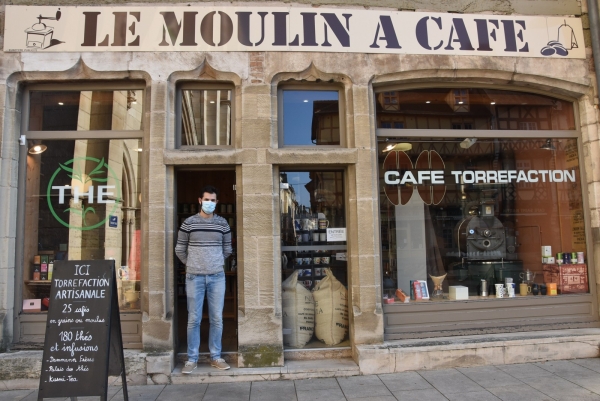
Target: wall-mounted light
{"points": [[468, 142], [60, 103], [428, 101], [492, 102], [37, 149], [548, 145], [402, 146]]}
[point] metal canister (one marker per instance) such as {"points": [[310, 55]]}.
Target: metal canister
{"points": [[574, 258], [580, 258], [484, 289], [559, 257], [567, 258]]}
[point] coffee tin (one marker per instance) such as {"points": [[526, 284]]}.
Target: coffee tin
{"points": [[580, 258], [567, 258], [574, 257]]}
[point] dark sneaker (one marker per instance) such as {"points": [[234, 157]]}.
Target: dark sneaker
{"points": [[219, 364], [188, 367]]}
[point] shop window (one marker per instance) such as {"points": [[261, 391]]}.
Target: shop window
{"points": [[205, 117], [482, 109], [83, 202], [479, 212], [120, 110], [310, 117], [313, 259], [82, 190]]}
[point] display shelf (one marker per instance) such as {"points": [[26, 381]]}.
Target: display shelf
{"points": [[38, 282], [300, 248]]}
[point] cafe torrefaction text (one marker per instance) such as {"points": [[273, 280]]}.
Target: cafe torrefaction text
{"points": [[81, 319]]}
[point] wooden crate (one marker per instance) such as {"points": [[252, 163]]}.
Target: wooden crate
{"points": [[571, 279]]}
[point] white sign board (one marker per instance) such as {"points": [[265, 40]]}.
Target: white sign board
{"points": [[201, 28], [336, 234]]}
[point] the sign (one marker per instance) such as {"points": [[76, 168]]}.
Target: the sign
{"points": [[336, 234], [113, 221], [264, 28], [83, 178], [83, 343]]}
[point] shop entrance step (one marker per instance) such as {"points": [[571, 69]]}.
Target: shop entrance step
{"points": [[292, 370]]}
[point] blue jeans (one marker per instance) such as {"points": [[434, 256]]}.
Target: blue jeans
{"points": [[213, 285]]}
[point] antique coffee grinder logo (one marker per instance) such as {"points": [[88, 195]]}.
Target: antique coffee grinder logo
{"points": [[88, 199]]}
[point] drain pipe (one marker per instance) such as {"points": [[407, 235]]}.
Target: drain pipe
{"points": [[592, 6]]}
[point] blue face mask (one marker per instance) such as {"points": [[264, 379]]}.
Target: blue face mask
{"points": [[208, 207]]}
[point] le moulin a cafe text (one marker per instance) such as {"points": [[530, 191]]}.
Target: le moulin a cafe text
{"points": [[387, 175]]}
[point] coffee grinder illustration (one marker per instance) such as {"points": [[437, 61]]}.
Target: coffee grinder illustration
{"points": [[40, 35]]}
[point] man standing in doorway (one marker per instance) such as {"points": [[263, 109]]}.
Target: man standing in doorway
{"points": [[203, 244]]}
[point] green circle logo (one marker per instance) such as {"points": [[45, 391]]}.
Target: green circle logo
{"points": [[75, 170]]}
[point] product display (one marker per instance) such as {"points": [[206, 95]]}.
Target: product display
{"points": [[331, 310], [298, 313], [458, 292]]}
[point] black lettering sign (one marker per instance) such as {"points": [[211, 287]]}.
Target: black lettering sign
{"points": [[386, 25], [83, 343]]}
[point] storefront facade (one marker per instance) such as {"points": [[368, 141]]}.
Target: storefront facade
{"points": [[309, 148]]}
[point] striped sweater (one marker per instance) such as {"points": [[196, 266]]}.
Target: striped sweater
{"points": [[203, 244]]}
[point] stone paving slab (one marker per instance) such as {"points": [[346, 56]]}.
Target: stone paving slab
{"points": [[574, 380]]}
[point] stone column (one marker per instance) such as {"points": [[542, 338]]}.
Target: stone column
{"points": [[365, 272], [260, 339]]}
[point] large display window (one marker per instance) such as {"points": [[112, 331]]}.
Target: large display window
{"points": [[462, 222], [83, 202], [479, 217], [82, 190]]}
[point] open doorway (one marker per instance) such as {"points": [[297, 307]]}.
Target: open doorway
{"points": [[189, 183]]}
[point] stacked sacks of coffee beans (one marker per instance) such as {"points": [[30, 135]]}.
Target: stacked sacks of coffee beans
{"points": [[331, 309], [298, 313]]}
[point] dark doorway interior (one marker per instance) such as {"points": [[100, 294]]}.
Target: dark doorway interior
{"points": [[189, 184]]}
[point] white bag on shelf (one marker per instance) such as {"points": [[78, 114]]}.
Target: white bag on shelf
{"points": [[331, 309], [298, 313]]}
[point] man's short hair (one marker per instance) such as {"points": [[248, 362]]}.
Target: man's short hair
{"points": [[209, 189]]}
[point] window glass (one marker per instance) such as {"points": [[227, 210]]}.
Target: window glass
{"points": [[85, 110], [471, 209], [483, 109], [313, 259], [206, 117], [311, 117], [83, 202]]}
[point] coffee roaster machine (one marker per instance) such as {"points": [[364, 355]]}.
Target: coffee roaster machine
{"points": [[487, 249]]}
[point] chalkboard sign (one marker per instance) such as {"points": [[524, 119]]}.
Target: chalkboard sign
{"points": [[83, 343]]}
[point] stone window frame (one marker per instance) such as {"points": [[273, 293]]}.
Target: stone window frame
{"points": [[312, 86], [137, 85], [201, 85]]}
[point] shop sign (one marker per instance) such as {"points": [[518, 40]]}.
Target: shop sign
{"points": [[88, 202], [263, 28], [429, 176], [336, 234]]}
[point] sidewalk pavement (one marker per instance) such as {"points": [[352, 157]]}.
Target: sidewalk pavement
{"points": [[577, 379]]}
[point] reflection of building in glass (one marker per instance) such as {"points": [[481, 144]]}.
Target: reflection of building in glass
{"points": [[472, 109]]}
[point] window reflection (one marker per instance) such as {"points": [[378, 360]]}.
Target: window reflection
{"points": [[206, 117], [483, 109], [311, 117], [85, 110]]}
